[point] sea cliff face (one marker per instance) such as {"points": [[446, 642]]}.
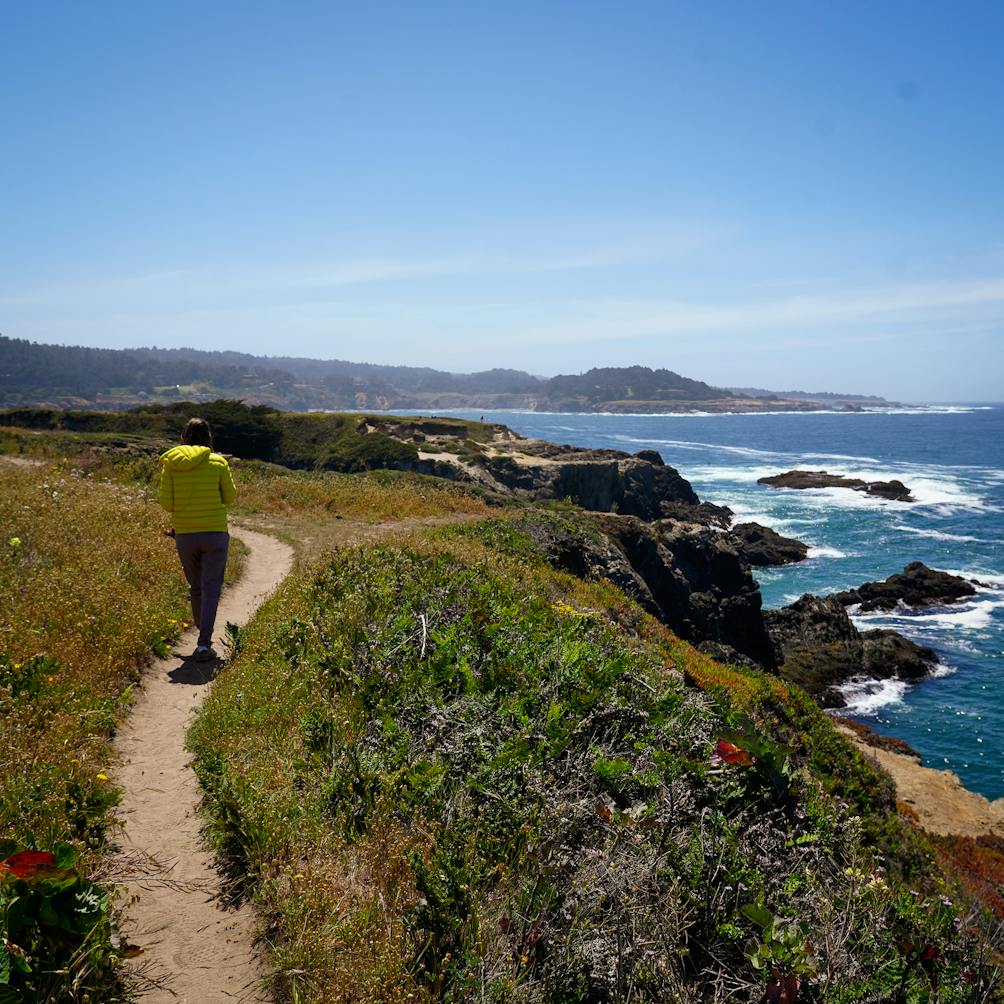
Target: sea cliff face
{"points": [[686, 563]]}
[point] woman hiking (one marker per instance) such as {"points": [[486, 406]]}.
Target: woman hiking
{"points": [[195, 488]]}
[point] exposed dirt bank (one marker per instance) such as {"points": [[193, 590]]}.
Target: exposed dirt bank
{"points": [[942, 804]]}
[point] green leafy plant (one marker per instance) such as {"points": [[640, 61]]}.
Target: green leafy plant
{"points": [[783, 952], [55, 927]]}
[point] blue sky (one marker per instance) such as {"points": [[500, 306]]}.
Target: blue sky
{"points": [[792, 195]]}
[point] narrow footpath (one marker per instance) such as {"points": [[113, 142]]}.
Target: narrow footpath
{"points": [[194, 950]]}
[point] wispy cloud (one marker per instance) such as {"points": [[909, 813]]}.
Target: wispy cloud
{"points": [[510, 254], [908, 304]]}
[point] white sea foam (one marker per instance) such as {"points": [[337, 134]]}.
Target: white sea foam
{"points": [[972, 616], [822, 551], [740, 475], [943, 669], [938, 534], [865, 696]]}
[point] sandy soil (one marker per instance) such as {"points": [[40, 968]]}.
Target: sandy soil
{"points": [[938, 797], [195, 951]]}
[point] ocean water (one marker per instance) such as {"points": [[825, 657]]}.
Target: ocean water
{"points": [[953, 460]]}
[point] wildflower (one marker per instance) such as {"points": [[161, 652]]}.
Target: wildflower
{"points": [[15, 542], [298, 875], [101, 776]]}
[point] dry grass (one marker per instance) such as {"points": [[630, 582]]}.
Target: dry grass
{"points": [[91, 588], [374, 496], [318, 511]]}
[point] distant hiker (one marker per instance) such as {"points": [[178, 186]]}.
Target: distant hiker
{"points": [[195, 488]]}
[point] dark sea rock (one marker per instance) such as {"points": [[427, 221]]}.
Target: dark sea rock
{"points": [[689, 576], [603, 481], [916, 586], [704, 513], [763, 546], [818, 647], [895, 490]]}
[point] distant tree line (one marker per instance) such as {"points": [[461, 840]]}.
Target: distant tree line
{"points": [[73, 369], [31, 372]]}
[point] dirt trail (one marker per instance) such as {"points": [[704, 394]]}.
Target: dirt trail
{"points": [[196, 951]]}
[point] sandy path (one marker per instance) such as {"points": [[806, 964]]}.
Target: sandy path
{"points": [[200, 952]]}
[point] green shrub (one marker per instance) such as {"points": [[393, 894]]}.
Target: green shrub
{"points": [[507, 793]]}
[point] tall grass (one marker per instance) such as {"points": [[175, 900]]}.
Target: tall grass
{"points": [[91, 589]]}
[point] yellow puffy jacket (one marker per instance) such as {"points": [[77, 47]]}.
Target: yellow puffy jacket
{"points": [[195, 488]]}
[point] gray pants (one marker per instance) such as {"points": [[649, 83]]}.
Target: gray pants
{"points": [[204, 559]]}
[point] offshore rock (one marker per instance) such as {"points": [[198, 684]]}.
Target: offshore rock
{"points": [[894, 490], [763, 546], [916, 586]]}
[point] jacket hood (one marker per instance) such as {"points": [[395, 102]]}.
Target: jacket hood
{"points": [[185, 458]]}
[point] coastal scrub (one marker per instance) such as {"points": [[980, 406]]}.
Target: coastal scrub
{"points": [[447, 772]]}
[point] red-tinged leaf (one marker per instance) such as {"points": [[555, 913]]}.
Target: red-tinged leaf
{"points": [[733, 755], [30, 864], [505, 924], [604, 812], [969, 976], [905, 947], [930, 954]]}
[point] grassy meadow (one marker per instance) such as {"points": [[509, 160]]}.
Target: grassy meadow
{"points": [[91, 588], [91, 591]]}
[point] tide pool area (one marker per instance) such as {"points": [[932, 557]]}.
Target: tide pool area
{"points": [[952, 459]]}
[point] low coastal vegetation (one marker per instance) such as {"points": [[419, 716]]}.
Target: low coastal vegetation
{"points": [[447, 771], [332, 442], [445, 768], [91, 591]]}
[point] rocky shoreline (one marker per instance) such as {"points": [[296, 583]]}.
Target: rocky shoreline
{"points": [[646, 530]]}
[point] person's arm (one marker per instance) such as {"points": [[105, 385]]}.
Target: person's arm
{"points": [[228, 490], [166, 489]]}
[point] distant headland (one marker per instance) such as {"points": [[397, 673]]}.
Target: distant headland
{"points": [[62, 376]]}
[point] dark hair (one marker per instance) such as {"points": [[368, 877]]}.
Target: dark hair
{"points": [[197, 433]]}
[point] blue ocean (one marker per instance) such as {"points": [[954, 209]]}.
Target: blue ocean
{"points": [[951, 457]]}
